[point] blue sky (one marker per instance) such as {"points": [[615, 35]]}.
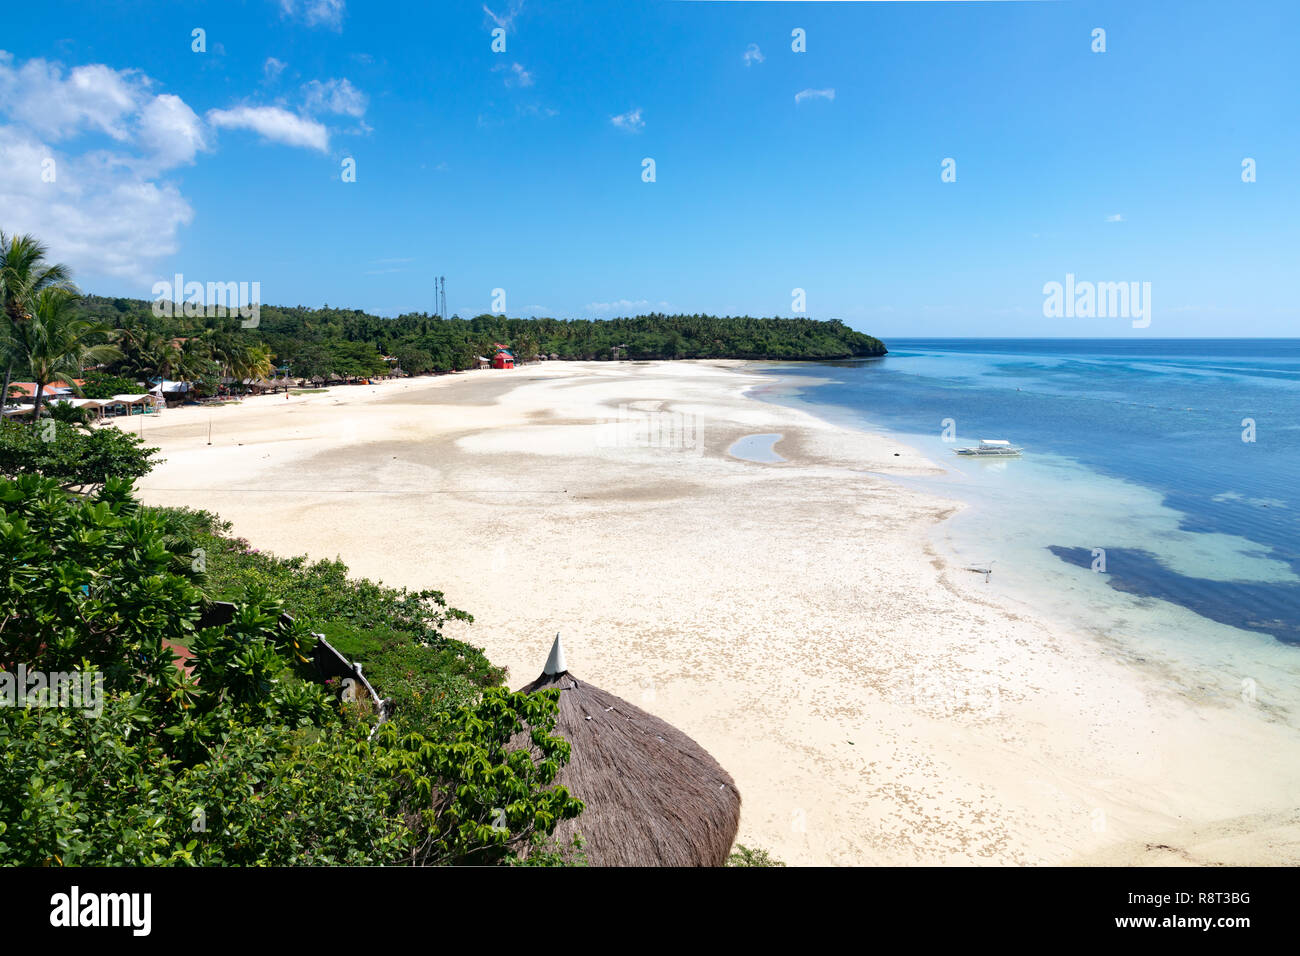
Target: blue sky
{"points": [[522, 170]]}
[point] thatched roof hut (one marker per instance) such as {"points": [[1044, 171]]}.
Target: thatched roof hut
{"points": [[654, 796]]}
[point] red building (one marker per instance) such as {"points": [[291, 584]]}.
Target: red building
{"points": [[503, 359]]}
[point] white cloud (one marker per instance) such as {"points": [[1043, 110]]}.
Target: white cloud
{"points": [[518, 75], [272, 69], [828, 94], [99, 215], [171, 130], [505, 21], [630, 121], [102, 212], [316, 13], [1118, 217], [96, 97], [753, 55], [275, 124], [335, 96], [105, 212]]}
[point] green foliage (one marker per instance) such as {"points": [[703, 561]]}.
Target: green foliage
{"points": [[55, 342], [744, 856], [415, 361], [102, 385], [69, 414], [247, 761], [71, 455], [324, 342]]}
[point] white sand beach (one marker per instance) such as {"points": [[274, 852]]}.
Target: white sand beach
{"points": [[873, 704]]}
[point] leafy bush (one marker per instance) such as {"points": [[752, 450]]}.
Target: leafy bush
{"points": [[744, 856], [247, 761], [396, 634], [102, 385], [74, 457]]}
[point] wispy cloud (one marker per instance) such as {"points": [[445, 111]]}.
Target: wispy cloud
{"points": [[1118, 217], [334, 96], [274, 124], [518, 76], [630, 121], [827, 94], [272, 69], [753, 55], [506, 21], [316, 13]]}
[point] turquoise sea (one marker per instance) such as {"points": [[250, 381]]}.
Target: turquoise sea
{"points": [[1159, 490]]}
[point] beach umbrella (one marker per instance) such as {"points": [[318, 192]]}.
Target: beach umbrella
{"points": [[654, 797]]}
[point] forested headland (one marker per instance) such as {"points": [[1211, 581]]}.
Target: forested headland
{"points": [[325, 341]]}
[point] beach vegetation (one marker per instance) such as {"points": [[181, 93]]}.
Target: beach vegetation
{"points": [[80, 459], [347, 343], [24, 275], [751, 856], [240, 758]]}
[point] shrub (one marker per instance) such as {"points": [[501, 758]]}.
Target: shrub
{"points": [[246, 761]]}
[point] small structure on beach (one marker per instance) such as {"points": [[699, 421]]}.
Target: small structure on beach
{"points": [[132, 404], [503, 359], [91, 407], [654, 797], [173, 393]]}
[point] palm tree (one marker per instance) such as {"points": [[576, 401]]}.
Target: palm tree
{"points": [[24, 274], [151, 353], [53, 344], [238, 357]]}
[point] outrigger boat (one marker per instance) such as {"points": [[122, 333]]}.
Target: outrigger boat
{"points": [[991, 448]]}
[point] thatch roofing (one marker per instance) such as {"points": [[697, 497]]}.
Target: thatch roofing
{"points": [[654, 796]]}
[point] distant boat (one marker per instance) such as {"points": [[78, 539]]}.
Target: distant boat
{"points": [[991, 448]]}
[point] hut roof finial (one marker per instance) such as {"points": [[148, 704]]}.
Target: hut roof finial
{"points": [[555, 663]]}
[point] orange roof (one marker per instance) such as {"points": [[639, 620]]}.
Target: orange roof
{"points": [[28, 389]]}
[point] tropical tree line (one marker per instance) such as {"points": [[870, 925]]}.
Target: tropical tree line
{"points": [[50, 332], [330, 341], [48, 335]]}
